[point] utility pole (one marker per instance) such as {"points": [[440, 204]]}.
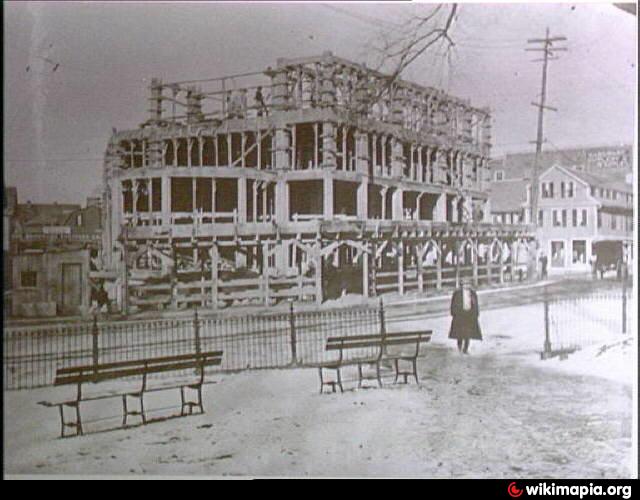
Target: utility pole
{"points": [[548, 55]]}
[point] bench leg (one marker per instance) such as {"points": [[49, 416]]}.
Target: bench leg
{"points": [[359, 375], [125, 409], [415, 371], [321, 380], [79, 420], [200, 399], [397, 371], [184, 404], [378, 374], [340, 380], [77, 424], [144, 417], [61, 420]]}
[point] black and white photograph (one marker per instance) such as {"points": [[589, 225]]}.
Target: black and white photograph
{"points": [[321, 240]]}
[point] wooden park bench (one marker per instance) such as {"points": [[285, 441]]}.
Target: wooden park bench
{"points": [[378, 346], [96, 373]]}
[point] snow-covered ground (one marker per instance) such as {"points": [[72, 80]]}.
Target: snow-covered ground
{"points": [[498, 412]]}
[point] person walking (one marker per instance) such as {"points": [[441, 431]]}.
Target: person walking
{"points": [[464, 316], [543, 266]]}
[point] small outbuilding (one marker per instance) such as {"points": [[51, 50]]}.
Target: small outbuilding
{"points": [[52, 282]]}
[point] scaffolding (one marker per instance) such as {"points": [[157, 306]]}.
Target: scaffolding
{"points": [[306, 181]]}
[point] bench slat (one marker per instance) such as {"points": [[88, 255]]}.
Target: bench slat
{"points": [[136, 362], [103, 375]]}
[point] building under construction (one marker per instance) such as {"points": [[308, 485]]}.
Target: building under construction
{"points": [[305, 181]]}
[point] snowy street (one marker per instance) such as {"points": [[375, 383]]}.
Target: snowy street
{"points": [[514, 416]]}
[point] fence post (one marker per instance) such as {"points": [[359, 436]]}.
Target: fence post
{"points": [[292, 326], [94, 344], [547, 338], [624, 305], [196, 331], [383, 328]]}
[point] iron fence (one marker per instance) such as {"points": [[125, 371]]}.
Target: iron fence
{"points": [[274, 340], [581, 321]]}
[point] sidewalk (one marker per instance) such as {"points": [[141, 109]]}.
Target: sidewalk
{"points": [[493, 296]]}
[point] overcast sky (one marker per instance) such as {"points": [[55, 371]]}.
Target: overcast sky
{"points": [[57, 123]]}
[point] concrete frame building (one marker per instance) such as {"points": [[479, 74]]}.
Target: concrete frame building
{"points": [[305, 181]]}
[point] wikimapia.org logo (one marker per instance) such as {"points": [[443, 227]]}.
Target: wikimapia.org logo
{"points": [[581, 491]]}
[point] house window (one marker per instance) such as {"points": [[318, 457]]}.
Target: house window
{"points": [[547, 189], [556, 219], [599, 218], [570, 189], [562, 191], [540, 218], [583, 220], [574, 217], [499, 175], [614, 221], [28, 279], [579, 252], [557, 254], [564, 218]]}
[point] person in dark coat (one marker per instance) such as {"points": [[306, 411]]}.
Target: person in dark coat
{"points": [[464, 316]]}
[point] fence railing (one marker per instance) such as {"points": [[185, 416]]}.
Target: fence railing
{"points": [[577, 322], [274, 340]]}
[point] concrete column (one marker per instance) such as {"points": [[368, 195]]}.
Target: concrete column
{"points": [[397, 209], [316, 145], [383, 200], [454, 209], [439, 266], [329, 148], [242, 200], [363, 198], [166, 200], [155, 109], [213, 200], [400, 258], [327, 192], [214, 275], [254, 204], [374, 151], [362, 153], [265, 273], [486, 211], [280, 91], [318, 274], [282, 150], [440, 208], [365, 272], [467, 212], [327, 85], [419, 258], [282, 208], [397, 158]]}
